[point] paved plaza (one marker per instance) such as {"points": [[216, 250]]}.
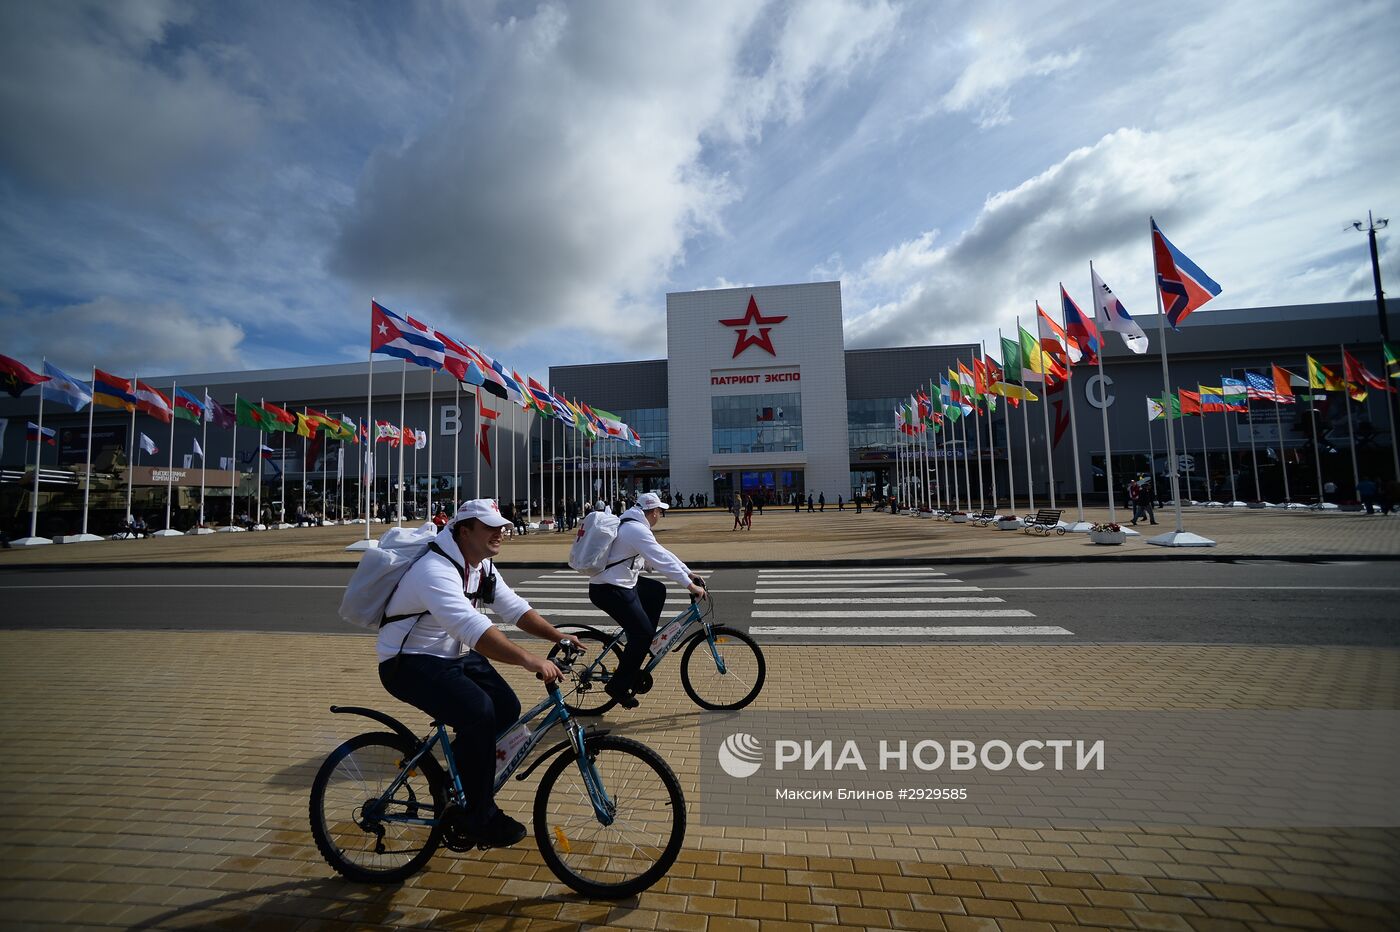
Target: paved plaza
{"points": [[780, 535], [159, 779]]}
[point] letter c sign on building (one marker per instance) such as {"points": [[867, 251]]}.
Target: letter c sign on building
{"points": [[1096, 391]]}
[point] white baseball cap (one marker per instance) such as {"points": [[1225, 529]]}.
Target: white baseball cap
{"points": [[649, 500], [483, 510]]}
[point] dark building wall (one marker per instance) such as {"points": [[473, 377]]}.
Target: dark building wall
{"points": [[897, 371], [614, 386]]}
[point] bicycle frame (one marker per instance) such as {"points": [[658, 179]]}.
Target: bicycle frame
{"points": [[555, 713], [685, 633]]}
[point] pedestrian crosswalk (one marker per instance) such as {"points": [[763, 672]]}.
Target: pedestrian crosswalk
{"points": [[875, 594], [822, 604]]}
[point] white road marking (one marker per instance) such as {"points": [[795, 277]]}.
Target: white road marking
{"points": [[780, 574], [912, 631], [823, 580], [178, 586], [901, 613], [887, 601], [1192, 588], [584, 599], [769, 590]]}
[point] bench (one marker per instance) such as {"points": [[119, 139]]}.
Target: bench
{"points": [[982, 518], [1044, 521]]}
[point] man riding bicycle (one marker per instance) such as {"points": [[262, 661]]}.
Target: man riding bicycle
{"points": [[632, 601], [435, 649]]}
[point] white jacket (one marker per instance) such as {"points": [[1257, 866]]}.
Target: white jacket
{"points": [[635, 539], [450, 624]]}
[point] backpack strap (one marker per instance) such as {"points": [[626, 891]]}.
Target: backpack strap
{"points": [[440, 552], [630, 559]]}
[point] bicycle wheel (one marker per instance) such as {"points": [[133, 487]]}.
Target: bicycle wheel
{"points": [[597, 667], [738, 685], [638, 848], [361, 843]]}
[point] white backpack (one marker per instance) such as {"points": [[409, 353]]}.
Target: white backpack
{"points": [[377, 577], [589, 554]]}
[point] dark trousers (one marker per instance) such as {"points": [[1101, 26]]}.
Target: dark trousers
{"points": [[470, 696], [637, 610]]}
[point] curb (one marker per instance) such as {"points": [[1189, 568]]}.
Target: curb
{"points": [[741, 564]]}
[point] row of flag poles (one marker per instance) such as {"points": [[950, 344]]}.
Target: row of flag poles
{"points": [[138, 397], [1044, 361], [416, 343]]}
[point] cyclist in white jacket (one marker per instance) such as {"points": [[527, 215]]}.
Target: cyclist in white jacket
{"points": [[435, 649], [632, 600]]}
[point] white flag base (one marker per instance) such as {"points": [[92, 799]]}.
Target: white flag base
{"points": [[1321, 506], [1078, 527], [1130, 532], [30, 542], [260, 527], [167, 532], [362, 545], [1237, 504], [356, 521], [1263, 505], [76, 538], [282, 527], [230, 529], [1181, 539], [199, 530]]}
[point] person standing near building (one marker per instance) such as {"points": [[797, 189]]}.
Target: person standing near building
{"points": [[737, 511], [809, 503], [821, 501], [632, 600], [748, 512]]}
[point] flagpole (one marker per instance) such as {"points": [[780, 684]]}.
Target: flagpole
{"points": [[282, 492], [977, 428], [476, 438], [1283, 456], [496, 461], [1182, 418], [233, 458], [170, 455], [1010, 457], [1351, 434], [1312, 416], [529, 429], [928, 484], [432, 377], [258, 459], [553, 478], [1103, 405], [203, 458], [1152, 456], [305, 453], [130, 460], [1166, 388], [38, 461], [1230, 455], [1253, 454], [991, 423], [87, 478], [373, 441], [403, 392], [457, 447], [1205, 452]]}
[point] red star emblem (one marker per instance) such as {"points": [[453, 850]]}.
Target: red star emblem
{"points": [[753, 320]]}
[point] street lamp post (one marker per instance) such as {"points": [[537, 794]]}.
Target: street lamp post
{"points": [[1372, 225]]}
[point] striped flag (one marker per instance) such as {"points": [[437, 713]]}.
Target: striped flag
{"points": [[187, 406], [153, 402], [16, 377], [405, 338], [64, 388], [33, 432], [112, 392], [1180, 282]]}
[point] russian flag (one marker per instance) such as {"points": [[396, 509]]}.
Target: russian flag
{"points": [[1181, 283], [33, 432], [1083, 335]]}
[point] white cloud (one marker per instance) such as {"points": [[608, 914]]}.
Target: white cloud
{"points": [[579, 201], [92, 102], [122, 337]]}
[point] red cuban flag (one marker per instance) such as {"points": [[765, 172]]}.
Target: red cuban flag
{"points": [[1180, 282], [1083, 334]]}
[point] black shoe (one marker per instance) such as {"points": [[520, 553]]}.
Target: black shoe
{"points": [[501, 832], [624, 697]]}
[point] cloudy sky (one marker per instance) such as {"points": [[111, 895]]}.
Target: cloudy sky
{"points": [[190, 187]]}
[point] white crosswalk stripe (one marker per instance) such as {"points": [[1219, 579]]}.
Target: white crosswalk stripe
{"points": [[797, 632], [879, 593]]}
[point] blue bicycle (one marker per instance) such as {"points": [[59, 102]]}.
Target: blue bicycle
{"points": [[722, 668], [609, 814]]}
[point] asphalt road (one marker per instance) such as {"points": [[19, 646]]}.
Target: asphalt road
{"points": [[1256, 602]]}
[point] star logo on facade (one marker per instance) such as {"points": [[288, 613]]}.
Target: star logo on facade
{"points": [[753, 320]]}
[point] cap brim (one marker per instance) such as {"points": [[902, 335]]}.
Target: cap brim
{"points": [[663, 506]]}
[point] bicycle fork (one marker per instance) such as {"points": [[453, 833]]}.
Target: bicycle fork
{"points": [[603, 806]]}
